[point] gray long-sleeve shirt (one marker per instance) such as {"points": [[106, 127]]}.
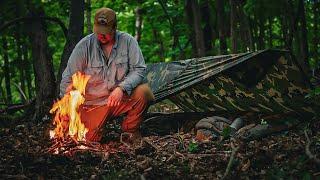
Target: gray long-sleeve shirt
{"points": [[125, 67]]}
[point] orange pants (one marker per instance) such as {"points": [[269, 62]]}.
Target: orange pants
{"points": [[95, 117]]}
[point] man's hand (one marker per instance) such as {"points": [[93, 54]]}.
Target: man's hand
{"points": [[115, 97]]}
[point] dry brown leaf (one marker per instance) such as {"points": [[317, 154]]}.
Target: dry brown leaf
{"points": [[245, 166]]}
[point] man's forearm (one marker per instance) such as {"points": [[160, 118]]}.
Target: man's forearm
{"points": [[132, 80]]}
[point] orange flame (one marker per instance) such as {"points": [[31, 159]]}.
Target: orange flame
{"points": [[67, 117]]}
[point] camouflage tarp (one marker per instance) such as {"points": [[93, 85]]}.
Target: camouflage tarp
{"points": [[267, 81]]}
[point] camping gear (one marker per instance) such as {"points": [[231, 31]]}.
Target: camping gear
{"points": [[266, 82]]}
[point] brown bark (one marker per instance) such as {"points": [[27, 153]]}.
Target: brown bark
{"points": [[221, 26], [75, 33], [270, 32], [304, 39], [254, 32], [261, 37], [28, 67], [43, 67], [291, 19], [245, 29], [138, 24], [194, 20], [19, 44], [20, 61], [233, 26], [316, 36], [208, 29], [6, 69]]}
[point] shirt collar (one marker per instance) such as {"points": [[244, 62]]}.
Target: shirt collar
{"points": [[117, 35]]}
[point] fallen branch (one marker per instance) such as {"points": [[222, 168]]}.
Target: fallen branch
{"points": [[233, 153], [16, 107], [308, 151], [151, 144]]}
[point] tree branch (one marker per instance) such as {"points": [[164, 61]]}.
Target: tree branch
{"points": [[232, 156], [26, 19]]}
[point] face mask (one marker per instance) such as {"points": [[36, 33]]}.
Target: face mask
{"points": [[105, 38]]}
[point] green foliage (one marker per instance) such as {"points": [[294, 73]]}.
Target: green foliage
{"points": [[263, 122], [315, 92], [193, 147], [226, 132], [160, 25]]}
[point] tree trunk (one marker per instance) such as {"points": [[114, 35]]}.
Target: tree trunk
{"points": [[293, 33], [291, 24], [6, 70], [189, 15], [75, 33], [43, 66], [158, 40], [254, 31], [270, 32], [221, 26], [304, 38], [207, 30], [261, 37], [28, 67], [138, 25], [233, 26], [19, 44], [245, 37], [20, 62], [88, 16], [316, 35], [250, 34], [173, 30], [194, 20]]}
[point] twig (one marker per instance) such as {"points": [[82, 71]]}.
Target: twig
{"points": [[21, 92], [179, 154], [164, 137], [151, 144], [123, 142], [233, 153], [308, 152], [15, 107], [203, 155]]}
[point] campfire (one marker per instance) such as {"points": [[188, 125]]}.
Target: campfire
{"points": [[69, 134], [67, 117]]}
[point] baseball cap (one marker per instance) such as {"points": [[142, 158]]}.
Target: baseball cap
{"points": [[104, 21]]}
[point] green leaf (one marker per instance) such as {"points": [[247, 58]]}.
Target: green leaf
{"points": [[193, 147], [226, 132]]}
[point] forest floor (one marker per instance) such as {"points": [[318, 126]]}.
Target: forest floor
{"points": [[23, 155]]}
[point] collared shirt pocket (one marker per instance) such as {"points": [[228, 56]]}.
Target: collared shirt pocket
{"points": [[95, 70], [121, 66]]}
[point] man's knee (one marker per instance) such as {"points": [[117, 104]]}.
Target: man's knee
{"points": [[143, 91]]}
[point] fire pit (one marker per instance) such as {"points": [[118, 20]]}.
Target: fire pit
{"points": [[69, 133]]}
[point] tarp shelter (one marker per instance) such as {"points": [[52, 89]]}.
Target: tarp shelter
{"points": [[267, 81]]}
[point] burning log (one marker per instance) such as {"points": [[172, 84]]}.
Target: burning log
{"points": [[69, 133]]}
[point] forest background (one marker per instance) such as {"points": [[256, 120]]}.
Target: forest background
{"points": [[37, 36]]}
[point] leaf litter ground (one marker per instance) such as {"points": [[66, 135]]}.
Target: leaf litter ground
{"points": [[171, 156]]}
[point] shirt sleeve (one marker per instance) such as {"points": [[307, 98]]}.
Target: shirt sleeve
{"points": [[137, 68], [76, 63]]}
